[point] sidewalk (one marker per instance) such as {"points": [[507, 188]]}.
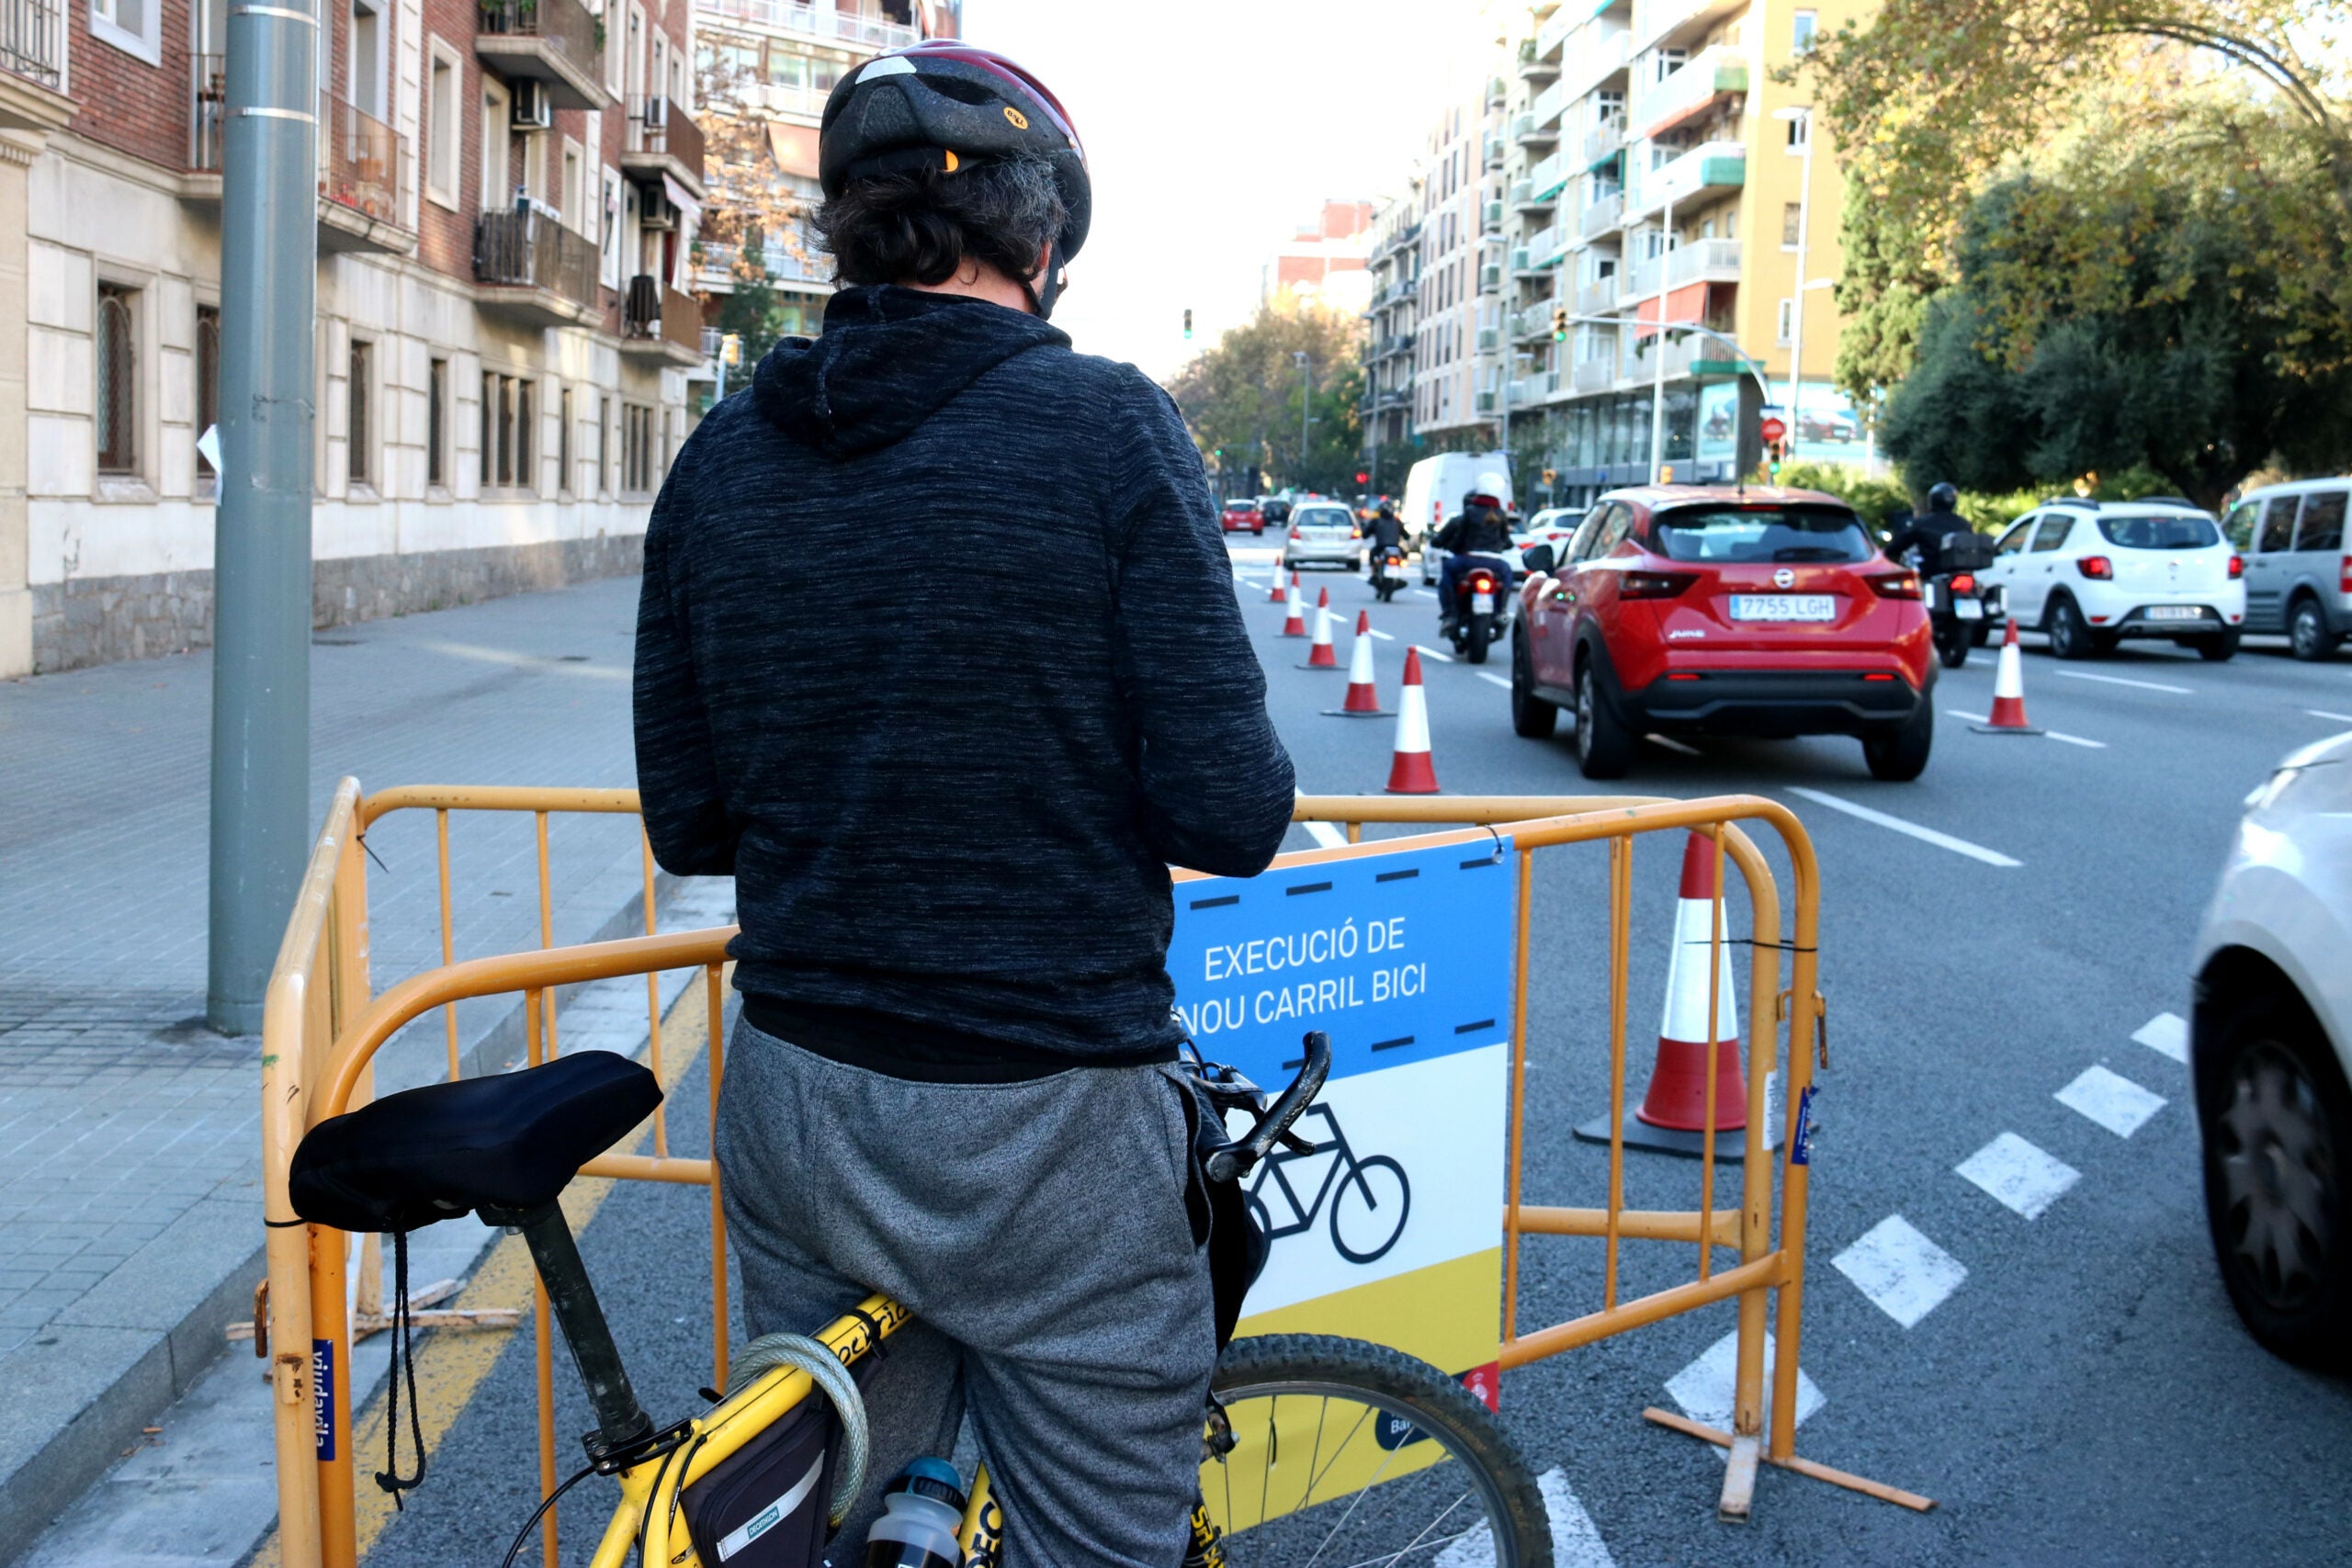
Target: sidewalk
{"points": [[129, 1211]]}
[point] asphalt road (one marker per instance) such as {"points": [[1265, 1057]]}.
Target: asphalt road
{"points": [[2070, 1388]]}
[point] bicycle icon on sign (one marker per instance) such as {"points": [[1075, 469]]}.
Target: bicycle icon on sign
{"points": [[1368, 1211]]}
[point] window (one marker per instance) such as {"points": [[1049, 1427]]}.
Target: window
{"points": [[356, 395], [208, 379], [365, 42], [524, 476], [603, 442], [116, 346], [505, 430], [1801, 33], [1786, 329], [636, 448], [2238, 526], [436, 422], [1800, 132], [2279, 523], [2322, 524], [2052, 533], [441, 129], [569, 195], [132, 26], [564, 479], [2013, 542], [1779, 534], [1792, 223], [496, 190]]}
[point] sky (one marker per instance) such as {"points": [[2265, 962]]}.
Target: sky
{"points": [[1214, 127]]}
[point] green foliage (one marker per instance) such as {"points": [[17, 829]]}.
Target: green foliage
{"points": [[1240, 396], [1875, 499]]}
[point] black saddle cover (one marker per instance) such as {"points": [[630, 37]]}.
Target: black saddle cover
{"points": [[433, 1153]]}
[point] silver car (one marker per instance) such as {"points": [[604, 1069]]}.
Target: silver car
{"points": [[1323, 532], [2270, 1058]]}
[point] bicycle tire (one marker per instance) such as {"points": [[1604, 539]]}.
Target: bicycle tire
{"points": [[1415, 1396]]}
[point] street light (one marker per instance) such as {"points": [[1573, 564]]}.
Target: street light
{"points": [[1658, 369], [1304, 398], [1801, 117]]}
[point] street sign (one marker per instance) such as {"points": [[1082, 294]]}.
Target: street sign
{"points": [[1771, 430]]}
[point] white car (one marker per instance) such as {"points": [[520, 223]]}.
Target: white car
{"points": [[1322, 533], [2090, 573], [2270, 1059]]}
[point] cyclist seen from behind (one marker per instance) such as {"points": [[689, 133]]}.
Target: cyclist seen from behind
{"points": [[1478, 532], [951, 830]]}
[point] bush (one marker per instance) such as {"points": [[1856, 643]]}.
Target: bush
{"points": [[1873, 499]]}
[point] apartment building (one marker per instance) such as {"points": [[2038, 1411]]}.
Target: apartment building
{"points": [[1455, 342], [765, 67], [1392, 266], [1323, 259], [507, 195]]}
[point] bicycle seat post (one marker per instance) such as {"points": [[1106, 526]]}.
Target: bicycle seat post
{"points": [[621, 1423]]}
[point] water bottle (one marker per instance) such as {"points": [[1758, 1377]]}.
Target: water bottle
{"points": [[922, 1509]]}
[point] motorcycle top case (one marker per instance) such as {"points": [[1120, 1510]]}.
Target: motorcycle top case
{"points": [[1964, 552], [764, 1505]]}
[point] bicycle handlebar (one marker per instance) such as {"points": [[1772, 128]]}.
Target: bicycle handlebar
{"points": [[1236, 1160]]}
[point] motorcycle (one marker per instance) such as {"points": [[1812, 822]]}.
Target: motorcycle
{"points": [[1481, 609], [1387, 570], [1961, 606]]}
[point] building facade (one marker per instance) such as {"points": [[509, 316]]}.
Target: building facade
{"points": [[1392, 266], [1460, 244], [1325, 259], [507, 197]]}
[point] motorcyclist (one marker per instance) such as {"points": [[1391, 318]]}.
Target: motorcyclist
{"points": [[1477, 531], [1925, 532], [1387, 531]]}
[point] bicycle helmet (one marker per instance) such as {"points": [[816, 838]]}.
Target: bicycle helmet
{"points": [[944, 105]]}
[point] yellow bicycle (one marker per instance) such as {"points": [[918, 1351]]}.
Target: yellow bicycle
{"points": [[1315, 1449]]}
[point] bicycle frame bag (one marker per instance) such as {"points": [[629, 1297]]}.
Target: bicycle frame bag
{"points": [[763, 1506]]}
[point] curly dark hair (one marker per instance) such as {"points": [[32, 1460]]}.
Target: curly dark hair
{"points": [[922, 226]]}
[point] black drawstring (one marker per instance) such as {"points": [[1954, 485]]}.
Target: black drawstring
{"points": [[403, 1358]]}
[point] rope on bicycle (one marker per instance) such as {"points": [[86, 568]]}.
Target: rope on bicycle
{"points": [[825, 1370]]}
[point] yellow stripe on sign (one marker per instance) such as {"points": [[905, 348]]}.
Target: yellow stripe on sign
{"points": [[450, 1368], [1445, 1314]]}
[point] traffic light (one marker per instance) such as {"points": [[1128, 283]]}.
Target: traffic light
{"points": [[1188, 326], [1559, 323], [1362, 477], [730, 348], [1551, 476]]}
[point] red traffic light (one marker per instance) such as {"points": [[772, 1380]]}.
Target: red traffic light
{"points": [[1771, 429], [1362, 477]]}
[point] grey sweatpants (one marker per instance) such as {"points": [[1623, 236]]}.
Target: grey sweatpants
{"points": [[1038, 1231]]}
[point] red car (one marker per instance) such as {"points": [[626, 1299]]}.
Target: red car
{"points": [[1702, 609], [1240, 512]]}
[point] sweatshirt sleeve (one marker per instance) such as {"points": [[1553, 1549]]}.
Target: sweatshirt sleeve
{"points": [[677, 771], [1217, 784]]}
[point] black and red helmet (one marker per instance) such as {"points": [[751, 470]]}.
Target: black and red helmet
{"points": [[943, 104]]}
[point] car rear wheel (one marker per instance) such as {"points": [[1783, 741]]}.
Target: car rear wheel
{"points": [[1604, 746], [2218, 649], [2307, 632], [2278, 1126], [1531, 716], [2070, 635], [1900, 755]]}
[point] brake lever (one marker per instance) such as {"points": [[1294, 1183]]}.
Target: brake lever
{"points": [[1297, 1145]]}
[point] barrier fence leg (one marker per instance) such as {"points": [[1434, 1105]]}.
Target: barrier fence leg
{"points": [[330, 1326]]}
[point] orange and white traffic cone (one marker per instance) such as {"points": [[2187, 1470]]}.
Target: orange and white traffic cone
{"points": [[1409, 772], [1322, 655], [1275, 593], [2008, 692], [1673, 1115], [1295, 625], [1363, 698]]}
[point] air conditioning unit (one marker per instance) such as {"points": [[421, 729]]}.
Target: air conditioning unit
{"points": [[654, 113], [531, 109], [657, 212]]}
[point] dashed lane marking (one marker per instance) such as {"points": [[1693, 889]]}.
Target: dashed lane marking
{"points": [[2025, 1179], [1426, 593], [2112, 1101], [2050, 734], [1433, 653], [1704, 1388], [2124, 680], [1673, 745], [1905, 1275], [1911, 829], [2322, 713], [2167, 1034], [1326, 835], [1381, 635], [1495, 680], [1576, 1539]]}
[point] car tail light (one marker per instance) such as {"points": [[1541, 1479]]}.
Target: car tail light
{"points": [[1654, 584], [1963, 582], [1895, 585], [1294, 533], [1354, 533], [2343, 582], [2097, 568]]}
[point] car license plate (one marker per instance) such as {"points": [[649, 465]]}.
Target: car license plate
{"points": [[1783, 607], [1482, 603], [1968, 609], [2175, 612]]}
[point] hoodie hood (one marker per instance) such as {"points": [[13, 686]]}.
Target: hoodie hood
{"points": [[890, 359]]}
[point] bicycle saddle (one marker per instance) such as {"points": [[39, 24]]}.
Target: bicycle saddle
{"points": [[433, 1153]]}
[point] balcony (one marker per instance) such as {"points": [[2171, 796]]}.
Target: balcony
{"points": [[1601, 216], [1544, 245], [1545, 111], [1490, 277], [1488, 402], [1604, 142], [1494, 159], [1710, 166], [1489, 339], [870, 34], [1597, 298], [1715, 74], [361, 165], [1554, 33], [1703, 261], [1642, 358], [1547, 177], [1604, 55], [715, 266], [1596, 375], [555, 41], [1663, 23], [1534, 65], [661, 323], [32, 66], [1498, 92], [207, 98], [662, 141], [1491, 218], [532, 269]]}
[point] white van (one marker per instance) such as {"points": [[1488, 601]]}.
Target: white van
{"points": [[1434, 488], [2297, 565]]}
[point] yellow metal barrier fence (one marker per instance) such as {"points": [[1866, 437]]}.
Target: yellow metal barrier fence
{"points": [[323, 1026]]}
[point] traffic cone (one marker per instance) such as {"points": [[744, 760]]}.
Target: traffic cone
{"points": [[1321, 656], [1409, 772], [1295, 625], [1363, 699], [1673, 1113], [1274, 592], [2008, 692]]}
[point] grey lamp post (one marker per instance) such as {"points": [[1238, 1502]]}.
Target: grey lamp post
{"points": [[1800, 116], [1305, 398]]}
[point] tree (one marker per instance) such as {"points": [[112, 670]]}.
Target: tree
{"points": [[1240, 396], [753, 210], [2158, 312]]}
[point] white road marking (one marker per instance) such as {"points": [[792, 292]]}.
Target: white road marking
{"points": [[1381, 635], [1925, 835], [1326, 835], [2167, 1034], [2123, 680], [2022, 1177], [1673, 745], [1576, 1541], [1704, 1388], [1426, 593], [1495, 680], [2112, 1101], [2051, 734], [1969, 718], [1905, 1275], [1433, 653], [2322, 713]]}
